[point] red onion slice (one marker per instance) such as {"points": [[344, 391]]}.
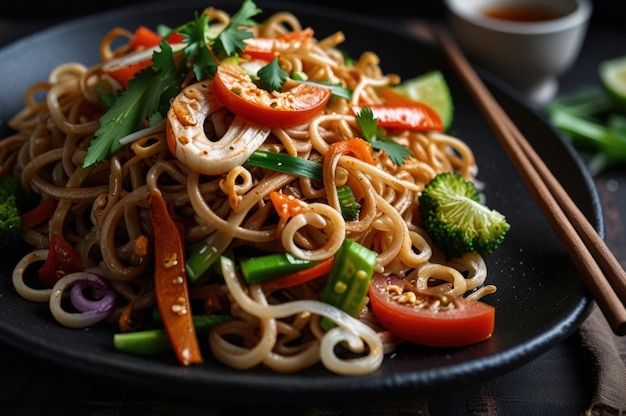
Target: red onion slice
{"points": [[91, 311]]}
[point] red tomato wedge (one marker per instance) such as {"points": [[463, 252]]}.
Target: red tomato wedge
{"points": [[466, 322], [235, 90]]}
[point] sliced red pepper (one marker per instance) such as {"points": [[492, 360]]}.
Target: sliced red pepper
{"points": [[356, 146], [235, 90], [143, 43], [297, 278], [124, 73], [416, 117], [38, 215], [286, 205], [267, 49], [403, 113], [62, 259], [170, 282], [147, 38]]}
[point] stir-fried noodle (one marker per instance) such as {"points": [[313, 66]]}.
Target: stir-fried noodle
{"points": [[103, 209]]}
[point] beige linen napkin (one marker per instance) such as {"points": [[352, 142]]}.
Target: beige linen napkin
{"points": [[608, 359]]}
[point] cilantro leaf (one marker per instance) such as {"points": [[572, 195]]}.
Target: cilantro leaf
{"points": [[231, 40], [134, 106], [336, 89], [272, 76], [375, 135], [197, 48]]}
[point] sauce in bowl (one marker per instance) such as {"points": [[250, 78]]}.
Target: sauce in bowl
{"points": [[522, 13]]}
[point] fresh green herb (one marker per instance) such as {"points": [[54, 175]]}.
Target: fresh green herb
{"points": [[376, 136], [197, 48], [231, 40], [144, 97], [272, 76], [336, 89]]}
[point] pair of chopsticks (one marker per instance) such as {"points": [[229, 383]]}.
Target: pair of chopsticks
{"points": [[603, 275]]}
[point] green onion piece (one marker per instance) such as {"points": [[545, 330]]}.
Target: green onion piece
{"points": [[202, 257], [349, 279], [156, 341], [285, 163], [347, 202], [299, 76], [261, 268]]}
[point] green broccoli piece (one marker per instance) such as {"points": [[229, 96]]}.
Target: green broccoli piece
{"points": [[456, 220], [10, 220]]}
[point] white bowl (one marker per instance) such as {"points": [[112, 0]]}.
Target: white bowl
{"points": [[529, 55]]}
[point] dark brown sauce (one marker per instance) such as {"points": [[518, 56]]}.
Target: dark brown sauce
{"points": [[522, 13]]}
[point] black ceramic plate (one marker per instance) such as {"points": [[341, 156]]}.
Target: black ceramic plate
{"points": [[540, 298]]}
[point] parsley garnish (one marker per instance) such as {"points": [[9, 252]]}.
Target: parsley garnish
{"points": [[141, 101], [272, 76], [376, 136]]}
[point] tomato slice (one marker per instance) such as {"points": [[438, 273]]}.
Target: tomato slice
{"points": [[466, 322], [236, 91]]}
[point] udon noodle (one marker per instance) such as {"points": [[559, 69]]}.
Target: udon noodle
{"points": [[103, 209]]}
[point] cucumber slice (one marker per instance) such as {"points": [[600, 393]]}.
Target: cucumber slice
{"points": [[431, 89]]}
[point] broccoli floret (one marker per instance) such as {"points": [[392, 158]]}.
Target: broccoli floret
{"points": [[456, 220], [10, 220]]}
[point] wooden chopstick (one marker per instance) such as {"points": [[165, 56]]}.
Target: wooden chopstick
{"points": [[603, 275]]}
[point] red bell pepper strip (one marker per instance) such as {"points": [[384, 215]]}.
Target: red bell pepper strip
{"points": [[267, 49], [416, 117], [143, 44], [403, 113], [62, 260], [286, 205], [358, 147], [147, 38], [38, 215], [170, 282]]}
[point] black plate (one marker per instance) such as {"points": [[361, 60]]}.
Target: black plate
{"points": [[540, 299]]}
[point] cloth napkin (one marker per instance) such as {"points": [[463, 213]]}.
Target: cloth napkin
{"points": [[607, 354]]}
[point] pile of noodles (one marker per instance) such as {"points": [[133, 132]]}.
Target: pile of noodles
{"points": [[103, 209]]}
